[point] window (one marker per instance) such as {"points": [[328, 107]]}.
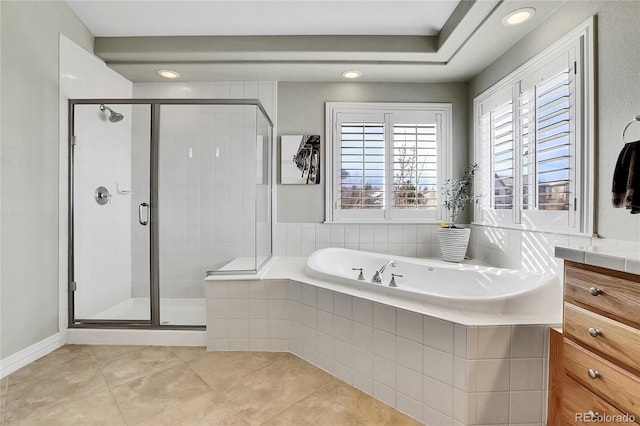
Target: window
{"points": [[534, 142], [386, 162]]}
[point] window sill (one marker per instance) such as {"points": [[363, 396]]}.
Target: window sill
{"points": [[542, 231], [384, 222]]}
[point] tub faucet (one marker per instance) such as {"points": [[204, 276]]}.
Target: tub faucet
{"points": [[377, 277], [393, 282]]}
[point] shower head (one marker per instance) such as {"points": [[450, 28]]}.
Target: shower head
{"points": [[114, 117]]}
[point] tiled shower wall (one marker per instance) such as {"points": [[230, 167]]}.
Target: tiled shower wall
{"points": [[202, 225], [103, 233], [436, 371]]}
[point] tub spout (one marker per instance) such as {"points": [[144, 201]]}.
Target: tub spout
{"points": [[389, 263], [377, 277]]}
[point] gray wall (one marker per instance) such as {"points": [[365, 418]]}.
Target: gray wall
{"points": [[618, 87], [29, 181], [301, 110]]}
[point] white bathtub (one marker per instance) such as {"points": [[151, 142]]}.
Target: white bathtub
{"points": [[458, 286]]}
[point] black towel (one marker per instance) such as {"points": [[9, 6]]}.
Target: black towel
{"points": [[626, 178]]}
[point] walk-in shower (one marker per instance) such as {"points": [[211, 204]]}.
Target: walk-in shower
{"points": [[163, 192]]}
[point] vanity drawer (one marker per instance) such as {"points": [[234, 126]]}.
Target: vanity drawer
{"points": [[578, 403], [604, 334], [611, 382], [614, 292]]}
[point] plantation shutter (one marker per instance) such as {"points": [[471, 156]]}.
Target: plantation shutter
{"points": [[502, 153], [361, 166], [553, 153], [534, 142], [362, 172], [546, 132], [496, 182], [415, 166], [527, 149], [385, 163]]}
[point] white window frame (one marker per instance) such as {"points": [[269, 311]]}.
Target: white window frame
{"points": [[578, 45], [443, 117]]}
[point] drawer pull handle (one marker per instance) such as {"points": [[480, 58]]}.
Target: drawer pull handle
{"points": [[594, 374], [595, 291], [594, 332]]}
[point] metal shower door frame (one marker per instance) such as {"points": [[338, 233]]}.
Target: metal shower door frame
{"points": [[154, 249]]}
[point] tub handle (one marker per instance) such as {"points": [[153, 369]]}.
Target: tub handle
{"points": [[361, 275], [393, 280]]}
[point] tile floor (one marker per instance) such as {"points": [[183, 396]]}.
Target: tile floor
{"points": [[152, 385]]}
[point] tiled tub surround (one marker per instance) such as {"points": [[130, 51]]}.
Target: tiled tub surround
{"points": [[302, 239], [435, 370], [501, 247]]}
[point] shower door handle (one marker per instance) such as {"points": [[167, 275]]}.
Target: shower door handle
{"points": [[144, 207]]}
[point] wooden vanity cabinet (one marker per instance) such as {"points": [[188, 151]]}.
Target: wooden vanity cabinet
{"points": [[594, 362]]}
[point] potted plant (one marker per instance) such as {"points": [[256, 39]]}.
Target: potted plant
{"points": [[456, 194]]}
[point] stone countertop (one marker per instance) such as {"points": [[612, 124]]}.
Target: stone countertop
{"points": [[621, 256]]}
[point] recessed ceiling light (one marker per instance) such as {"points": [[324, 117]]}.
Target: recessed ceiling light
{"points": [[351, 74], [518, 16], [168, 74]]}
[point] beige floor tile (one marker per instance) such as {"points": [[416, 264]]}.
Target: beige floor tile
{"points": [[52, 364], [219, 369], [184, 386], [273, 389], [188, 353], [205, 410], [83, 380], [96, 410], [356, 401], [313, 411], [139, 363], [106, 353], [4, 389], [146, 397]]}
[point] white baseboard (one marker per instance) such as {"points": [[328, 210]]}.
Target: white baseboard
{"points": [[81, 336], [85, 336], [26, 356]]}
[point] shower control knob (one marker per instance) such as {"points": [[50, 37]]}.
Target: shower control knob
{"points": [[594, 332], [102, 195]]}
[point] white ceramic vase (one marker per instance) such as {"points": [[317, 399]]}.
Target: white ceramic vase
{"points": [[453, 243]]}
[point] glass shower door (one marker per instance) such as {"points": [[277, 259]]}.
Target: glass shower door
{"points": [[110, 240], [206, 215]]}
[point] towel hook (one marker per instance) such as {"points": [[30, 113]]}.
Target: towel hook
{"points": [[637, 118]]}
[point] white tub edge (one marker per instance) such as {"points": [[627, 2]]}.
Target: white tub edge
{"points": [[293, 268]]}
